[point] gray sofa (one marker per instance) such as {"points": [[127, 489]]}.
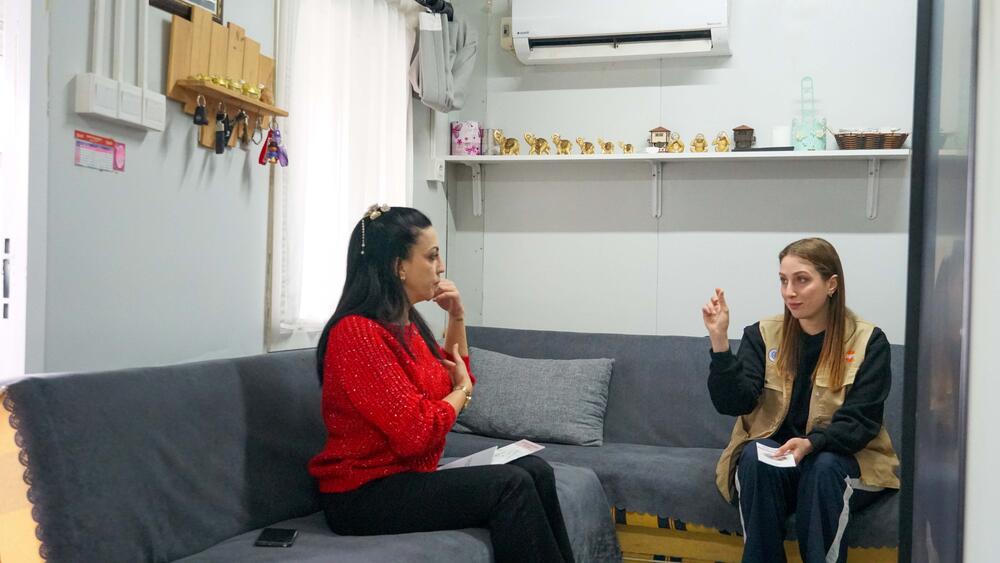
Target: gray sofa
{"points": [[662, 437], [188, 462]]}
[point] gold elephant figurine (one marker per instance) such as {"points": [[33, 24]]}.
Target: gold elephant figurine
{"points": [[676, 144], [699, 144], [627, 148], [721, 142], [509, 146], [607, 147], [586, 147], [537, 145], [563, 146]]}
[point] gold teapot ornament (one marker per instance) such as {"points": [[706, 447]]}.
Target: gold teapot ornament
{"points": [[627, 148], [676, 144], [537, 145], [563, 146], [607, 147], [586, 147], [721, 142], [699, 144], [509, 146]]}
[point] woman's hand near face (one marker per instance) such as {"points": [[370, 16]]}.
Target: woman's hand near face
{"points": [[715, 314], [448, 298]]}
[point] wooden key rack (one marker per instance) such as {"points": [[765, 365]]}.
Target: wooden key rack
{"points": [[202, 48]]}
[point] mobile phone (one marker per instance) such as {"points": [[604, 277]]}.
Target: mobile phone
{"points": [[276, 537]]}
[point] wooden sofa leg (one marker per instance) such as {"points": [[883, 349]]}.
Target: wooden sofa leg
{"points": [[640, 544], [17, 528]]}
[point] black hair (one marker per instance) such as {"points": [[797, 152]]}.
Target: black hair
{"points": [[372, 287]]}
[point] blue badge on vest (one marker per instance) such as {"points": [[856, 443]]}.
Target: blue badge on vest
{"points": [[772, 355]]}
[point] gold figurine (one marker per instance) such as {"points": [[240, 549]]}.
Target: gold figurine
{"points": [[676, 144], [537, 145], [721, 142], [607, 147], [699, 144], [627, 148], [509, 146], [563, 146], [586, 147]]}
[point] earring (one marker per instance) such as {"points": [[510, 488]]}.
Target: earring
{"points": [[402, 276]]}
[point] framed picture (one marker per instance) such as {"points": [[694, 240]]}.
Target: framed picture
{"points": [[183, 7]]}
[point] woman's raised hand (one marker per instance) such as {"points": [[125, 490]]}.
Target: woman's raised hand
{"points": [[448, 298], [715, 314]]}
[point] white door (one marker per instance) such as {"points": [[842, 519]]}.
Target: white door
{"points": [[15, 42]]}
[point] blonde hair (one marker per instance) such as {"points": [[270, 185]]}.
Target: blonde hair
{"points": [[825, 259]]}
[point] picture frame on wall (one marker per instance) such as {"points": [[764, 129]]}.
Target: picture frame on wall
{"points": [[182, 8]]}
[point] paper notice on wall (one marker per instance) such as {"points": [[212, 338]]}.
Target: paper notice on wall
{"points": [[99, 153]]}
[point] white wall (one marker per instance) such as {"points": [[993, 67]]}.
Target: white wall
{"points": [[574, 246], [165, 262], [982, 491]]}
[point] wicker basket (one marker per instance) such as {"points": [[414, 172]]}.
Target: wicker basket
{"points": [[894, 140], [857, 140], [849, 141]]}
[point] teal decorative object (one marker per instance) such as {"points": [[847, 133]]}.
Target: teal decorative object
{"points": [[808, 131]]}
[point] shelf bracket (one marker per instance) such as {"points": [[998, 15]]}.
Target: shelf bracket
{"points": [[657, 188], [477, 187], [873, 172]]}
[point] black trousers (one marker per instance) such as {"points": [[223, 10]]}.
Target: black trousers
{"points": [[517, 502], [821, 491]]}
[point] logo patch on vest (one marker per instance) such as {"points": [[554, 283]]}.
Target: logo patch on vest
{"points": [[772, 355], [849, 357]]}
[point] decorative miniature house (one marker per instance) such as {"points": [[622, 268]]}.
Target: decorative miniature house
{"points": [[743, 137], [659, 138]]}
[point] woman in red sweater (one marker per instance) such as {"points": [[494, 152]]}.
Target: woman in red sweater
{"points": [[390, 396]]}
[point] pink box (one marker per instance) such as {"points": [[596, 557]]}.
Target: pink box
{"points": [[466, 138]]}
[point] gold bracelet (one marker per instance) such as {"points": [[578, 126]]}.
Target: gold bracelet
{"points": [[465, 391]]}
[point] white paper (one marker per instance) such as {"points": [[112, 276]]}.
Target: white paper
{"points": [[484, 457], [496, 456], [510, 452], [766, 455]]}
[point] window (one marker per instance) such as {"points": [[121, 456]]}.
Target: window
{"points": [[342, 74]]}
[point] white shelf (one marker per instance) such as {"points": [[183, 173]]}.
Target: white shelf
{"points": [[657, 160], [887, 154]]}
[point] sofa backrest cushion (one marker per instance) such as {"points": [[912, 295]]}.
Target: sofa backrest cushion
{"points": [[542, 400], [658, 393], [158, 463]]}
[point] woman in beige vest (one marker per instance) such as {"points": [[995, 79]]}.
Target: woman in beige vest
{"points": [[811, 384]]}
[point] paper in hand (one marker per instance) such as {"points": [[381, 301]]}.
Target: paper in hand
{"points": [[766, 455]]}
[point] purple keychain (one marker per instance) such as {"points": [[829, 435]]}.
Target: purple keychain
{"points": [[273, 152]]}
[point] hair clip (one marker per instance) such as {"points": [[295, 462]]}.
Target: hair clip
{"points": [[373, 212]]}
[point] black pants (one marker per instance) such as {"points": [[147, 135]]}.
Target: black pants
{"points": [[517, 502], [816, 491]]}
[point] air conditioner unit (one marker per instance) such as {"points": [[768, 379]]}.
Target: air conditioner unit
{"points": [[580, 31]]}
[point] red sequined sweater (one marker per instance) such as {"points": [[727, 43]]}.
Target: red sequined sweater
{"points": [[384, 410]]}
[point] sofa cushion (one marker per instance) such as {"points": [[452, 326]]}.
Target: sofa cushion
{"points": [[584, 506], [679, 483], [153, 464], [659, 392], [539, 399]]}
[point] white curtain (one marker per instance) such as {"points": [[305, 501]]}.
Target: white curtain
{"points": [[342, 73]]}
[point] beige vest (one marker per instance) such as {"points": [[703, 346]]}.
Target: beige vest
{"points": [[878, 461]]}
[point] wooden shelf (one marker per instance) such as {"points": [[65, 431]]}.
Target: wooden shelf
{"points": [[657, 160], [230, 98]]}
